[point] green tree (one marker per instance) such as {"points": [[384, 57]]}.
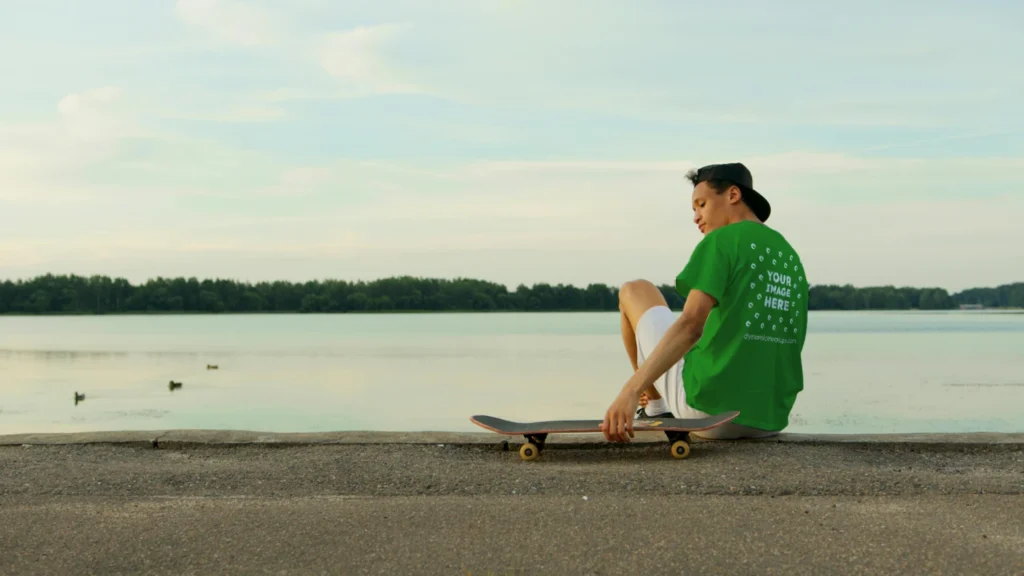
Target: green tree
{"points": [[51, 294], [251, 301], [210, 301], [357, 302], [1015, 296]]}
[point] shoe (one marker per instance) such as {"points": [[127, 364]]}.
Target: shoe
{"points": [[642, 413]]}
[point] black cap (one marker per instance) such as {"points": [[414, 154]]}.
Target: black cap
{"points": [[738, 174]]}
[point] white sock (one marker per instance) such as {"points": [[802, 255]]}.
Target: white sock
{"points": [[655, 407]]}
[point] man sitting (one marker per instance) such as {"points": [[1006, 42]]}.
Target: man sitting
{"points": [[737, 344]]}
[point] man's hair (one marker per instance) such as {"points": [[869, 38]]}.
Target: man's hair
{"points": [[718, 185]]}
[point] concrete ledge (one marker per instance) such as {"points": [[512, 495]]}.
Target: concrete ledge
{"points": [[145, 437], [920, 438], [232, 437]]}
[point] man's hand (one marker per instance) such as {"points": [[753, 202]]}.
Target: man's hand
{"points": [[618, 421], [674, 344]]}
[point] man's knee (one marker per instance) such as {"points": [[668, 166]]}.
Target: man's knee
{"points": [[637, 297], [635, 289]]}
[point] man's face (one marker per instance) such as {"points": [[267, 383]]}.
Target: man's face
{"points": [[710, 209]]}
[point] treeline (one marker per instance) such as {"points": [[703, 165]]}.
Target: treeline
{"points": [[832, 297], [51, 294]]}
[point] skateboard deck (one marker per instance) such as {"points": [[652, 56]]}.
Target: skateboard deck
{"points": [[677, 429]]}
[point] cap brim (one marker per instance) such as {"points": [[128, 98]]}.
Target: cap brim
{"points": [[757, 203]]}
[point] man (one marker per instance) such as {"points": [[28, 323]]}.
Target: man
{"points": [[737, 344]]}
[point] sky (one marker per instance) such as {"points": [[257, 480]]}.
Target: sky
{"points": [[513, 141]]}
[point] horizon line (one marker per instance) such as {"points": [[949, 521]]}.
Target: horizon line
{"points": [[509, 287]]}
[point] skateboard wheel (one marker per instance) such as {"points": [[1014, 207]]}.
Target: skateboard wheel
{"points": [[529, 451], [680, 449]]}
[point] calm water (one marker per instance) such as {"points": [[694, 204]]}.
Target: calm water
{"points": [[866, 372]]}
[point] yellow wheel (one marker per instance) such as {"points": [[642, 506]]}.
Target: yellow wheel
{"points": [[680, 449], [529, 451]]}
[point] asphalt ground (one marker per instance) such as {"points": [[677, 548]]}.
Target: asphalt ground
{"points": [[768, 507]]}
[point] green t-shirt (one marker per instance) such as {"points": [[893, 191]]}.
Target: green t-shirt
{"points": [[749, 356]]}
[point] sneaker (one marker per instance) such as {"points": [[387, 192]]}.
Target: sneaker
{"points": [[642, 414]]}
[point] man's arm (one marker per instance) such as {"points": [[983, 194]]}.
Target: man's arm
{"points": [[684, 333]]}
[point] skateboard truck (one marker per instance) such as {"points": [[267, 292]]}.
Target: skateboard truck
{"points": [[680, 443], [534, 444]]}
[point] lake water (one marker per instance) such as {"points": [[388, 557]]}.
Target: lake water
{"points": [[866, 372]]}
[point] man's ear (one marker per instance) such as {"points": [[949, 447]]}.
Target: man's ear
{"points": [[735, 195]]}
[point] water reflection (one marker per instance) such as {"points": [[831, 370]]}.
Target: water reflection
{"points": [[867, 372], [89, 354]]}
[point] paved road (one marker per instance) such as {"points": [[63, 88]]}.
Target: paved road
{"points": [[758, 508]]}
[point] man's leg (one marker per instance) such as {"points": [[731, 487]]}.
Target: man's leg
{"points": [[635, 298], [629, 338]]}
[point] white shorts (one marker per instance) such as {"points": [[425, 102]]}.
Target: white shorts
{"points": [[649, 330]]}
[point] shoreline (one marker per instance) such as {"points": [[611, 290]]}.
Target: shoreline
{"points": [[359, 437], [991, 310]]}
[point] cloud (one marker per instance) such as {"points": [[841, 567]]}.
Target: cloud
{"points": [[254, 114], [475, 133], [600, 220], [852, 219], [76, 104], [582, 166], [358, 57], [299, 181], [86, 129], [617, 64], [136, 165], [98, 146], [241, 114], [229, 22], [92, 116], [835, 179]]}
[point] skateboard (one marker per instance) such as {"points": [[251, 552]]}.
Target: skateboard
{"points": [[536, 433]]}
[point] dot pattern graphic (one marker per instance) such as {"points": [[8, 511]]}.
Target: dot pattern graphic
{"points": [[774, 298]]}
